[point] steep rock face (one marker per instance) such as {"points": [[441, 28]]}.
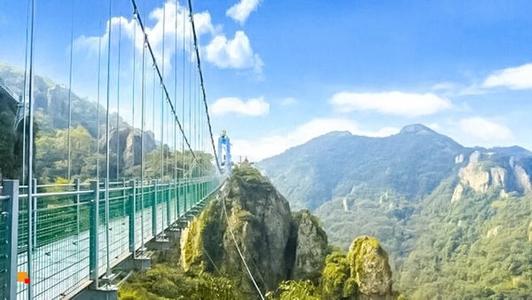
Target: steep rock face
{"points": [[129, 142], [276, 244], [370, 268], [364, 273], [311, 247], [260, 219], [10, 134], [504, 172], [474, 175]]}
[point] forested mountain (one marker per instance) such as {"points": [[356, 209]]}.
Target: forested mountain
{"points": [[455, 220], [51, 123]]}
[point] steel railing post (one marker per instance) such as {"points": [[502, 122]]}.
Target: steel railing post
{"points": [[78, 222], [168, 201], [154, 209], [10, 189], [132, 217], [34, 212], [94, 239]]}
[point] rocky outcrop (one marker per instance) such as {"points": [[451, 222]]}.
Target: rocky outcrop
{"points": [[370, 268], [497, 172], [250, 213], [278, 246], [311, 247], [364, 273], [10, 134], [129, 142]]}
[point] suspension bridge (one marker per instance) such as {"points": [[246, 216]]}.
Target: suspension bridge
{"points": [[61, 238]]}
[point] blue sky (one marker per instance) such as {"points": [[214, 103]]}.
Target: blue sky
{"points": [[281, 72]]}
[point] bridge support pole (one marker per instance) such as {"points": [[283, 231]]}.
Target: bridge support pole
{"points": [[154, 210], [94, 243], [132, 218], [10, 207], [168, 201]]}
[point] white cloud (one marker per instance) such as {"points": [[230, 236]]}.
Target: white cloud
{"points": [[252, 107], [233, 53], [241, 10], [485, 131], [516, 78], [171, 16], [264, 147], [391, 103]]}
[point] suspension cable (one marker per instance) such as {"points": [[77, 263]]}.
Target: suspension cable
{"points": [[69, 150], [175, 99], [24, 97], [107, 156], [118, 102], [161, 79], [162, 96], [30, 156], [143, 98], [239, 251], [98, 110], [198, 61], [134, 50]]}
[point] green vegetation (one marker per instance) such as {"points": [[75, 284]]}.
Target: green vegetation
{"points": [[336, 282], [296, 290], [167, 281], [472, 248], [399, 189]]}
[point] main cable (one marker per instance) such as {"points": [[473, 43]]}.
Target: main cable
{"points": [[165, 90], [202, 84]]}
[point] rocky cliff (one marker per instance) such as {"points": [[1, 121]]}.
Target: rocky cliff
{"points": [[500, 172], [276, 244], [250, 213], [364, 273], [10, 134]]}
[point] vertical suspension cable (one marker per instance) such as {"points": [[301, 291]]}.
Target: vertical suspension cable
{"points": [[118, 103], [175, 105], [143, 97], [161, 79], [134, 50], [204, 94], [107, 157], [30, 158], [24, 96], [69, 150], [98, 110], [162, 115], [183, 159], [190, 104], [153, 114]]}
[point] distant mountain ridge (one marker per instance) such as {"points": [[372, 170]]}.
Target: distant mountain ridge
{"points": [[455, 220], [411, 163]]}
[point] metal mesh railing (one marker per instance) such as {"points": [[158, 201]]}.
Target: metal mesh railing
{"points": [[62, 228], [3, 249]]}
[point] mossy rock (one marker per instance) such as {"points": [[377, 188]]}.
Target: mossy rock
{"points": [[336, 281], [369, 266]]}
